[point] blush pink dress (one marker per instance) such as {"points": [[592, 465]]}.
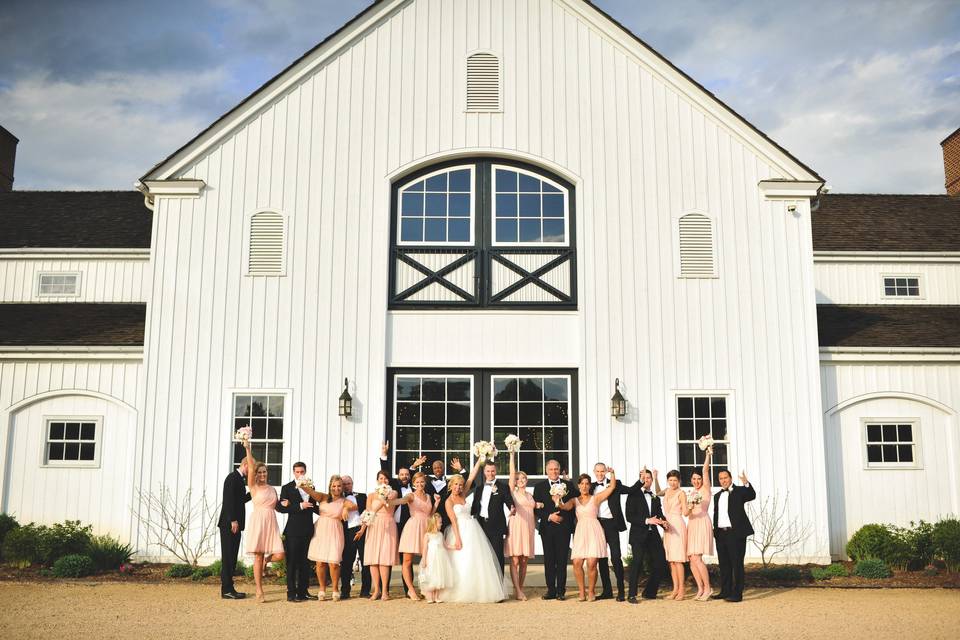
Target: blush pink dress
{"points": [[674, 538], [380, 544], [326, 545], [416, 526], [521, 527], [588, 539], [263, 532], [700, 530]]}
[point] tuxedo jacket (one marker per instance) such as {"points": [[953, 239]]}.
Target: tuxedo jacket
{"points": [[616, 509], [739, 496], [235, 497], [444, 494], [299, 521], [496, 520], [637, 512], [541, 493]]}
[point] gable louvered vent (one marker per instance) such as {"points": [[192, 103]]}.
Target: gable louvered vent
{"points": [[267, 244], [483, 82], [696, 247]]}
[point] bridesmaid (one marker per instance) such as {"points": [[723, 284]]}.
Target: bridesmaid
{"points": [[326, 545], [411, 540], [589, 543], [380, 547], [263, 532], [519, 545], [675, 537], [700, 529]]}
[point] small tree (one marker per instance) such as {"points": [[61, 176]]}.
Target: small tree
{"points": [[774, 532], [187, 529]]}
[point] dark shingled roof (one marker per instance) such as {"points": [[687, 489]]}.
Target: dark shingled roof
{"points": [[75, 219], [72, 324], [889, 325], [875, 222]]}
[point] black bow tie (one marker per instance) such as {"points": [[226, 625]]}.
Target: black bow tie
{"points": [[490, 484], [348, 494], [555, 482], [724, 490], [649, 493]]}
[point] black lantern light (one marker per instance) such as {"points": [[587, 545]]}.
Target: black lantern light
{"points": [[346, 402], [618, 404]]}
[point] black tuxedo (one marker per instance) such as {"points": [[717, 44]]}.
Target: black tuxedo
{"points": [[611, 532], [645, 540], [444, 493], [297, 534], [732, 540], [234, 509], [396, 486], [351, 550], [495, 524], [554, 536]]}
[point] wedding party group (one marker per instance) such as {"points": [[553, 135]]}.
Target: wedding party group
{"points": [[466, 527]]}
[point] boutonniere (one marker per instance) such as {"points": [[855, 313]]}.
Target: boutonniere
{"points": [[493, 489]]}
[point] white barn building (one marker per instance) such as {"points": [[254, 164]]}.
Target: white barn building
{"points": [[481, 214]]}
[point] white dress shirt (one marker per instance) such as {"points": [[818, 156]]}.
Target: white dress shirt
{"points": [[403, 491], [603, 511], [723, 513], [353, 520], [485, 499], [439, 484], [303, 497]]}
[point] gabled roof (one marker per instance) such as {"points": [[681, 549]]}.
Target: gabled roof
{"points": [[74, 219], [888, 325], [72, 324], [342, 38], [874, 222]]}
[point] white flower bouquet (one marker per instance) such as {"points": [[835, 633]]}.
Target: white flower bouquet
{"points": [[484, 450], [694, 498], [383, 491], [705, 442], [366, 518], [303, 482], [512, 443], [558, 490], [243, 434]]}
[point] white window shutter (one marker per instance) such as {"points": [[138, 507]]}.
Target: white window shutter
{"points": [[267, 244], [696, 247], [483, 82]]}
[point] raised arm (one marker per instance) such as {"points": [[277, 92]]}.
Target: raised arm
{"points": [[473, 475], [407, 499], [606, 493], [751, 492], [706, 469], [251, 467], [656, 484], [513, 473], [316, 495]]}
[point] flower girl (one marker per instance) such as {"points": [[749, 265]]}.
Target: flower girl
{"points": [[436, 572]]}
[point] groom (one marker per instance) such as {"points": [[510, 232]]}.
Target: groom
{"points": [[489, 499], [731, 528]]}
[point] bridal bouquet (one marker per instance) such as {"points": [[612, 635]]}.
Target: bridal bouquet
{"points": [[694, 498], [243, 434], [366, 518], [512, 443], [383, 491], [303, 482], [558, 490], [705, 442], [484, 450]]}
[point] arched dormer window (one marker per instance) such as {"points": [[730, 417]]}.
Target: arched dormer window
{"points": [[483, 233], [696, 246], [267, 248]]}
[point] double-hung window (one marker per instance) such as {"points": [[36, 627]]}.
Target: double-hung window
{"points": [[698, 416], [264, 413]]}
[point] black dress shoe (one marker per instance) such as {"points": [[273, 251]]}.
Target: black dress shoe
{"points": [[344, 596], [719, 596], [633, 600], [308, 596], [561, 596], [620, 597], [294, 599], [606, 595], [734, 599], [233, 595], [548, 596], [649, 597], [364, 595]]}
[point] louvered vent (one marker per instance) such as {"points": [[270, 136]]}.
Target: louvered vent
{"points": [[696, 246], [267, 243], [483, 82]]}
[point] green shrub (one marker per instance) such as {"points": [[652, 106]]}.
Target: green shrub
{"points": [[73, 566], [108, 553], [945, 538], [7, 524], [279, 567], [65, 539], [870, 541], [21, 546], [200, 573], [872, 568], [832, 571], [179, 571], [782, 573], [919, 538]]}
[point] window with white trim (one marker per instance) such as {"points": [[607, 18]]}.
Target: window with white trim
{"points": [[537, 410], [699, 416], [890, 444], [433, 417], [437, 209], [901, 286], [72, 442], [265, 415], [528, 209], [58, 284], [266, 251]]}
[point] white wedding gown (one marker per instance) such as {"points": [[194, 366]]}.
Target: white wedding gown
{"points": [[477, 574]]}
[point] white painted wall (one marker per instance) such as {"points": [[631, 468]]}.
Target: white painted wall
{"points": [[926, 392], [115, 280], [862, 282]]}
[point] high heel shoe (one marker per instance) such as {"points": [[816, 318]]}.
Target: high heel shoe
{"points": [[412, 594], [335, 596], [321, 596]]}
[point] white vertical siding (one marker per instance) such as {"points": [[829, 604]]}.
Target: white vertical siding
{"points": [[862, 282], [121, 280]]}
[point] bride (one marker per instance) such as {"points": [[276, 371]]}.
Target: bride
{"points": [[478, 577]]}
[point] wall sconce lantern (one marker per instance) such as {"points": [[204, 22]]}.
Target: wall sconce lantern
{"points": [[346, 402], [618, 404]]}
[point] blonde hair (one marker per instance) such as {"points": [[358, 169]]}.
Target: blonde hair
{"points": [[334, 478], [258, 466], [457, 479], [418, 474], [433, 524]]}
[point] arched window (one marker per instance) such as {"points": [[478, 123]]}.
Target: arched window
{"points": [[696, 246], [483, 233], [266, 253]]}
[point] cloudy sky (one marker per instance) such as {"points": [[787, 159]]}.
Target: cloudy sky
{"points": [[100, 90]]}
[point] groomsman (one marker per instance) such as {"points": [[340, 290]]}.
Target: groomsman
{"points": [[731, 528], [233, 516], [611, 519], [489, 499], [400, 483], [353, 548], [555, 530], [437, 485], [299, 508], [645, 514]]}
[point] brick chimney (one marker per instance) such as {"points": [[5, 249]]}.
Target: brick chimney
{"points": [[8, 154], [951, 163]]}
